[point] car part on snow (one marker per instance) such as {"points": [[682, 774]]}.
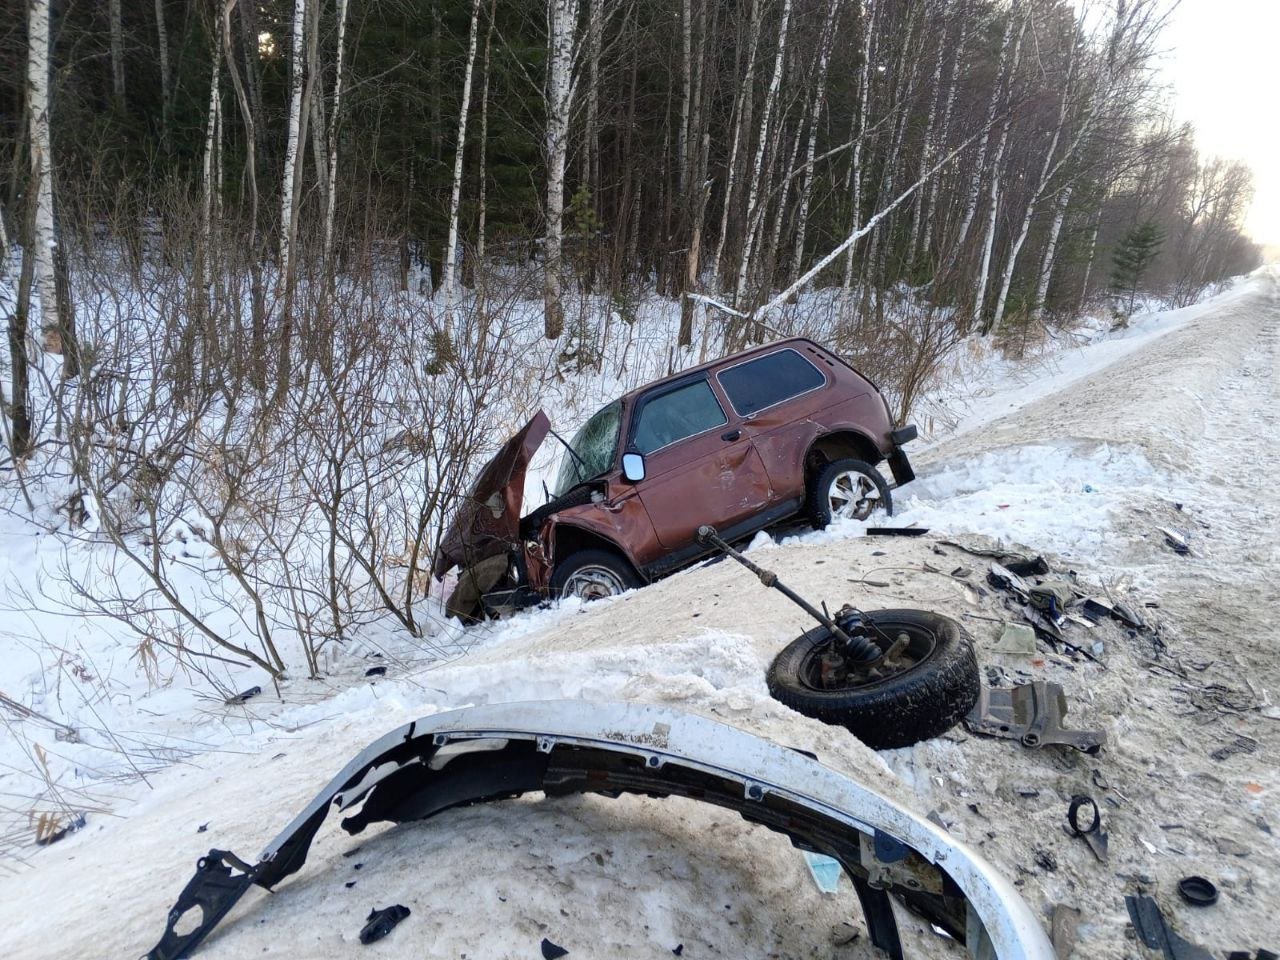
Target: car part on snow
{"points": [[1198, 891], [1177, 541], [501, 751], [1052, 595], [897, 531], [552, 951], [381, 922], [847, 489], [1017, 639], [242, 697], [1091, 832], [824, 870], [924, 682], [854, 647], [1155, 932], [1030, 712]]}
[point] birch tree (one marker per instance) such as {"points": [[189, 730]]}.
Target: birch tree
{"points": [[562, 32], [166, 78], [826, 42], [116, 30], [335, 111], [292, 168], [40, 185], [455, 198], [753, 189]]}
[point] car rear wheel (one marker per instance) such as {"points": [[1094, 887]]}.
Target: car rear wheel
{"points": [[847, 489], [592, 575]]}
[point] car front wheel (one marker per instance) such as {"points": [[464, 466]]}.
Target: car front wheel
{"points": [[592, 575], [847, 489]]}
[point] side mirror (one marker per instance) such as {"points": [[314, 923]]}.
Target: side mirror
{"points": [[633, 467]]}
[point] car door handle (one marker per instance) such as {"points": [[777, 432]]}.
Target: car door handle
{"points": [[731, 435]]}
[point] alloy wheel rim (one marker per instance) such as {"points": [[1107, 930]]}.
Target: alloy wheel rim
{"points": [[852, 495]]}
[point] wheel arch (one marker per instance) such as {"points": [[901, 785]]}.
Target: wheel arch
{"points": [[568, 538], [838, 445]]}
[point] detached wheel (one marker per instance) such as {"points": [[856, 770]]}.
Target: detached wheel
{"points": [[923, 692], [847, 489], [592, 575]]}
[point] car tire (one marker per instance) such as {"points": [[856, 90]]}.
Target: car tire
{"points": [[855, 476], [592, 575], [920, 702]]}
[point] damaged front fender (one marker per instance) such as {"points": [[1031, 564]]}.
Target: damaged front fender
{"points": [[501, 751]]}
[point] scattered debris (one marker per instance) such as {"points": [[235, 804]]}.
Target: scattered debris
{"points": [[52, 827], [1034, 567], [202, 828], [381, 922], [1016, 638], [1153, 931], [824, 870], [1045, 860], [1063, 928], [1240, 745], [1198, 891], [552, 951], [1176, 540], [243, 696], [897, 531], [1030, 712], [678, 949], [961, 572], [1052, 595], [1091, 833], [376, 672]]}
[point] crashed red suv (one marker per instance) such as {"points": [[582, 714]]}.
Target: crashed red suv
{"points": [[741, 443]]}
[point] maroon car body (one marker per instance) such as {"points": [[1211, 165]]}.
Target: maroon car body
{"points": [[736, 443]]}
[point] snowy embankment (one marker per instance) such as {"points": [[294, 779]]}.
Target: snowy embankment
{"points": [[1084, 475]]}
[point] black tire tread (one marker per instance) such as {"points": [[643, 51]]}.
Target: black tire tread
{"points": [[919, 704]]}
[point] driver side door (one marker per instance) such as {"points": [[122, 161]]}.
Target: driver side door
{"points": [[700, 464]]}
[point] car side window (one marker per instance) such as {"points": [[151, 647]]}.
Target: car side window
{"points": [[682, 412], [764, 381]]}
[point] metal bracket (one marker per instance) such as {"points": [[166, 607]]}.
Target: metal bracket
{"points": [[889, 862], [1030, 712]]}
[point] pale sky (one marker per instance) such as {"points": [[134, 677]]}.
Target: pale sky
{"points": [[1223, 63]]}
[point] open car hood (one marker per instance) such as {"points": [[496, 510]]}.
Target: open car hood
{"points": [[565, 747], [488, 520]]}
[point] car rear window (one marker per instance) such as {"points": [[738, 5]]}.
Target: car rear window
{"points": [[681, 413], [770, 379]]}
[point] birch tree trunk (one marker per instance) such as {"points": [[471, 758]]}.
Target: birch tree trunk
{"points": [[855, 164], [117, 53], [482, 174], [292, 169], [1047, 170], [1050, 252], [561, 36], [930, 205], [686, 96], [43, 237], [753, 189], [993, 204], [742, 104], [459, 154], [819, 102], [335, 111], [166, 78], [208, 191], [979, 167]]}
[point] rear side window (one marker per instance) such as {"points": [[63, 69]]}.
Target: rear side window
{"points": [[770, 379], [684, 412]]}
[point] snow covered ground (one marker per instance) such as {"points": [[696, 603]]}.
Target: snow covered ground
{"points": [[1080, 453]]}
